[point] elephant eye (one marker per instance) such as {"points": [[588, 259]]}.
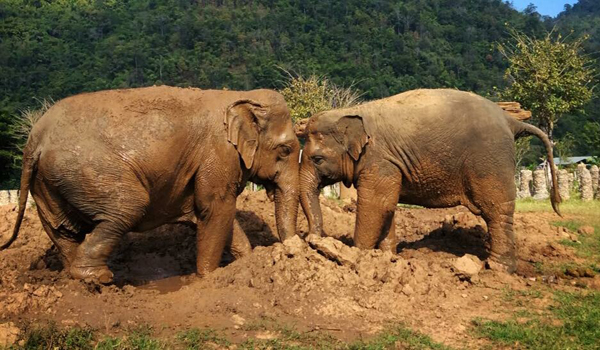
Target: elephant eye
{"points": [[284, 151], [317, 159]]}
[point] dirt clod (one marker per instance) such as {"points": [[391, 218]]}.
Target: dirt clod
{"points": [[468, 265], [9, 333], [586, 230]]}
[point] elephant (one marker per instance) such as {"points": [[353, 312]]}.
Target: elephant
{"points": [[101, 164], [430, 147]]}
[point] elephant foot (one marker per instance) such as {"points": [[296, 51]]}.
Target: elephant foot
{"points": [[502, 264], [99, 273], [241, 251], [388, 245]]}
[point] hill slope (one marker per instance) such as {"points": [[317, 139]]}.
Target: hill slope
{"points": [[63, 47]]}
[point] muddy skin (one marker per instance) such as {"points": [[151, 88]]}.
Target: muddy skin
{"points": [[102, 164], [434, 148]]}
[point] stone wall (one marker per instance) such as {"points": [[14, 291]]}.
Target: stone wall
{"points": [[582, 181]]}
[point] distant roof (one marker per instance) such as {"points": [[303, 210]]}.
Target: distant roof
{"points": [[571, 160]]}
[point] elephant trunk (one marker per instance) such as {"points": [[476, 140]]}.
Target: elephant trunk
{"points": [[286, 204], [309, 198]]}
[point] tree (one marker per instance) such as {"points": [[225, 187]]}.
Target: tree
{"points": [[564, 147], [549, 76], [307, 96], [522, 146], [591, 136]]}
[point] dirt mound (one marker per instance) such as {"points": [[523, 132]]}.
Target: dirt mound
{"points": [[436, 283], [327, 278]]}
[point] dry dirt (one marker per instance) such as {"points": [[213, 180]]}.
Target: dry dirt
{"points": [[319, 284]]}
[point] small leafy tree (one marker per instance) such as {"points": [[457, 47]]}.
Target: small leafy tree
{"points": [[564, 147], [522, 146], [550, 76], [307, 96]]}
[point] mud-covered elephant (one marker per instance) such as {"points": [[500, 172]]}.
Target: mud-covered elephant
{"points": [[434, 148], [101, 164]]}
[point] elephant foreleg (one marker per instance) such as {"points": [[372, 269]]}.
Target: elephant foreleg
{"points": [[390, 242], [239, 244], [377, 199], [215, 225]]}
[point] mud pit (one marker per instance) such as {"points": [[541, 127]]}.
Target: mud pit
{"points": [[319, 284]]}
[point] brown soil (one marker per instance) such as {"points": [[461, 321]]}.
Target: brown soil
{"points": [[323, 284]]}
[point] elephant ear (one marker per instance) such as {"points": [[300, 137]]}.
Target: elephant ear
{"points": [[244, 120], [352, 134]]}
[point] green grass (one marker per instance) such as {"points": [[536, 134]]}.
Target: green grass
{"points": [[195, 339], [571, 207], [285, 337], [398, 338], [51, 337], [137, 339], [573, 320], [571, 225], [571, 323]]}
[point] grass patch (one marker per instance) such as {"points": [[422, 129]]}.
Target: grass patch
{"points": [[399, 338], [51, 337], [570, 225], [286, 337], [195, 339], [571, 323], [283, 337], [509, 294], [138, 339], [589, 209]]}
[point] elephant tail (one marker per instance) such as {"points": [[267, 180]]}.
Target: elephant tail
{"points": [[521, 129], [29, 165]]}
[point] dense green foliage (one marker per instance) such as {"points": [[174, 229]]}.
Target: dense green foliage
{"points": [[53, 49], [581, 19], [549, 76]]}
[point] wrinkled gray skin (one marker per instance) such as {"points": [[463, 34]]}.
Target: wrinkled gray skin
{"points": [[434, 148], [101, 164]]}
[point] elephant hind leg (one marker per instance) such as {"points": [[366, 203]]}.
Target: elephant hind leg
{"points": [[494, 199], [502, 238], [92, 254], [65, 241]]}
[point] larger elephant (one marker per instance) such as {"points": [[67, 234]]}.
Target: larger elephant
{"points": [[434, 148], [101, 164]]}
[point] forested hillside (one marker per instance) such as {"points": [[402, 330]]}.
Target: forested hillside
{"points": [[52, 49], [577, 20]]}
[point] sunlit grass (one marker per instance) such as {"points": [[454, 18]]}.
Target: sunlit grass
{"points": [[571, 323], [50, 336], [589, 209]]}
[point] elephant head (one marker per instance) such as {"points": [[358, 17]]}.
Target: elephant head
{"points": [[261, 130], [335, 141]]}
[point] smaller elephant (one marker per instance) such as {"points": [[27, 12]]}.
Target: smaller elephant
{"points": [[434, 148], [105, 163]]}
